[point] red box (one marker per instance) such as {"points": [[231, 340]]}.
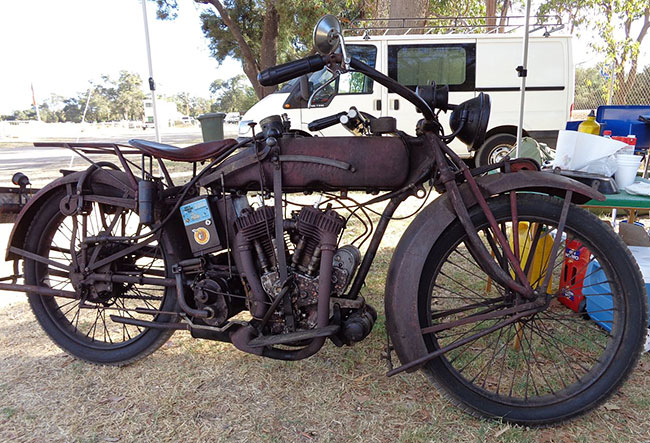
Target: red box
{"points": [[576, 261], [627, 140]]}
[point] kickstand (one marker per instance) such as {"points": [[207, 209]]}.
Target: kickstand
{"points": [[387, 353]]}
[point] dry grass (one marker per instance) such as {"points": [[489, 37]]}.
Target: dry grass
{"points": [[201, 390]]}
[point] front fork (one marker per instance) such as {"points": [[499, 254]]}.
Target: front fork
{"points": [[520, 284]]}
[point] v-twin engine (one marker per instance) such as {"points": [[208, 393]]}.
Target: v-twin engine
{"points": [[303, 233]]}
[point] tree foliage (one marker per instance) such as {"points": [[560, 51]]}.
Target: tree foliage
{"points": [[264, 33], [232, 95], [621, 25], [591, 88], [190, 105], [107, 100]]}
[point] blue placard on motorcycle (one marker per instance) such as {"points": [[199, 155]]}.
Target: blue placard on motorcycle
{"points": [[199, 226], [196, 212]]}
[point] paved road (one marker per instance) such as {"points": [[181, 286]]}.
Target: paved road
{"points": [[43, 164]]}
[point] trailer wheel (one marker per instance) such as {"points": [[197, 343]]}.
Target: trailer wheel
{"points": [[495, 149]]}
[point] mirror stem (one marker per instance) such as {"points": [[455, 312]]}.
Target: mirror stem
{"points": [[344, 51]]}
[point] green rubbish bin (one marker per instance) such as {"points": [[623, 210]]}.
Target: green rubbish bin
{"points": [[212, 126]]}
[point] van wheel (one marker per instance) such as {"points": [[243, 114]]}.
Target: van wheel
{"points": [[495, 149]]}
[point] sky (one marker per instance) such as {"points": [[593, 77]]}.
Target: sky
{"points": [[58, 46]]}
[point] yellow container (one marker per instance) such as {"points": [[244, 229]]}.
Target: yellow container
{"points": [[542, 253], [590, 126]]}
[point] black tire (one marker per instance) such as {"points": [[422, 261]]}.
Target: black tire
{"points": [[88, 333], [495, 149], [549, 366]]}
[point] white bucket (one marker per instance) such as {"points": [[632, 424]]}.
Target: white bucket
{"points": [[626, 169]]}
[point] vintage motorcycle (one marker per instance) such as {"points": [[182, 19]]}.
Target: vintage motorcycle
{"points": [[115, 259]]}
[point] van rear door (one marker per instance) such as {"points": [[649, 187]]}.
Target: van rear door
{"points": [[549, 92]]}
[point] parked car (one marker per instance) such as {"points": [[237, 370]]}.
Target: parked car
{"points": [[232, 117]]}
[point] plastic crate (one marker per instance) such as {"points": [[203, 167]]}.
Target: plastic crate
{"points": [[599, 305]]}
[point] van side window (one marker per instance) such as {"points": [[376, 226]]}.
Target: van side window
{"points": [[451, 64], [356, 82]]}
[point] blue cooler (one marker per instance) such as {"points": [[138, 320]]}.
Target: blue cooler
{"points": [[599, 305]]}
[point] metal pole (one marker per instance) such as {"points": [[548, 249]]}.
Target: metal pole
{"points": [[522, 70], [81, 127], [152, 84], [38, 114], [612, 80]]}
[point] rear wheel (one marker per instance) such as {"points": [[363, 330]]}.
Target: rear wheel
{"points": [[549, 365], [83, 326]]}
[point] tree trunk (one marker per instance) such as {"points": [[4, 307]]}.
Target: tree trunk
{"points": [[504, 13], [491, 12], [625, 83], [269, 55], [408, 9]]}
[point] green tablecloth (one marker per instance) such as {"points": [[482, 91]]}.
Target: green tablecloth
{"points": [[622, 200]]}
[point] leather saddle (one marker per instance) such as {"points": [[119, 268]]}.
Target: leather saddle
{"points": [[194, 153]]}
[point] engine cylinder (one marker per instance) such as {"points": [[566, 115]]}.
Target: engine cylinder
{"points": [[257, 226]]}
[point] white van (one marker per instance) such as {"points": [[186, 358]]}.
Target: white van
{"points": [[468, 63]]}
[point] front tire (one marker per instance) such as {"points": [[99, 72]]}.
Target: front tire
{"points": [[549, 366]]}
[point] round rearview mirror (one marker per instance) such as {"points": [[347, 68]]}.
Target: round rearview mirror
{"points": [[326, 34]]}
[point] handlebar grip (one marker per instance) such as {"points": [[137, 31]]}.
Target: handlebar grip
{"points": [[325, 122], [291, 70]]}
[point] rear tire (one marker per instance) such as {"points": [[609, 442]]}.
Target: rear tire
{"points": [[551, 365], [88, 333]]}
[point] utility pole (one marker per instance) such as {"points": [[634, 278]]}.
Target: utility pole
{"points": [[152, 84]]}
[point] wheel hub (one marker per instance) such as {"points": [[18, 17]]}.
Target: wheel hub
{"points": [[499, 153], [102, 291]]}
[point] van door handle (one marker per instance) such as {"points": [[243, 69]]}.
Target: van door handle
{"points": [[396, 105], [378, 104]]}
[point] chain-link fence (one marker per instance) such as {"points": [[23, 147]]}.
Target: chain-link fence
{"points": [[598, 86]]}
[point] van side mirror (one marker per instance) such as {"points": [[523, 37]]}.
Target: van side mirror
{"points": [[304, 87]]}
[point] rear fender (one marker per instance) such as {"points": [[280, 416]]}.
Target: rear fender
{"points": [[406, 267], [117, 179]]}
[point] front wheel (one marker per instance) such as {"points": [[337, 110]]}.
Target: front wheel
{"points": [[550, 365]]}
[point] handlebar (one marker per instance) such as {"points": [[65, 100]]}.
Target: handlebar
{"points": [[288, 71], [326, 122]]}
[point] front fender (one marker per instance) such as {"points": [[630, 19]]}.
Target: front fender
{"points": [[24, 218], [403, 280]]}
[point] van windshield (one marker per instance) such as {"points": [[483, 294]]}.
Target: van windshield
{"points": [[288, 86], [349, 83]]}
